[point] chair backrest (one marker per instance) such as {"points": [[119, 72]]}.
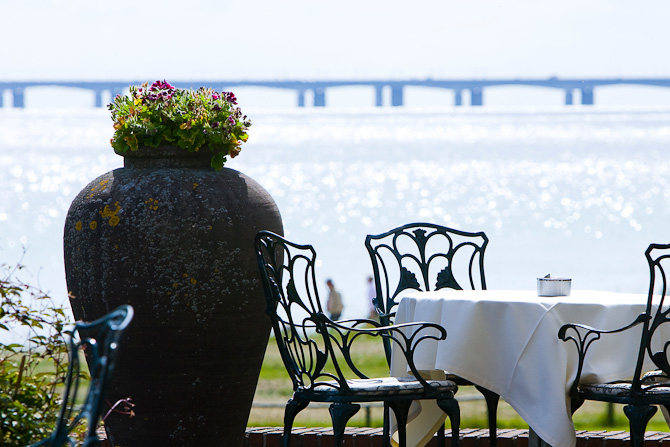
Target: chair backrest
{"points": [[653, 344], [99, 342], [424, 257], [304, 334]]}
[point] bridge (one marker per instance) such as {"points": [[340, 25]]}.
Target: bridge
{"points": [[475, 87]]}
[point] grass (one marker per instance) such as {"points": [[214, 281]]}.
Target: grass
{"points": [[275, 386]]}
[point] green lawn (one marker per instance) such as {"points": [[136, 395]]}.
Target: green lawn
{"points": [[275, 386]]}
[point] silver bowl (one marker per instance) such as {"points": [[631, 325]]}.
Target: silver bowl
{"points": [[548, 286]]}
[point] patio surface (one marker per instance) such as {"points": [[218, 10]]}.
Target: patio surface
{"points": [[372, 437]]}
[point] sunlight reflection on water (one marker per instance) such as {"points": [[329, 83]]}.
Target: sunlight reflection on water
{"points": [[577, 192]]}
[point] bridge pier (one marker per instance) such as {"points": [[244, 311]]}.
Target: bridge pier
{"points": [[568, 97], [587, 96], [301, 98], [458, 98], [396, 95], [2, 98], [18, 99], [319, 97], [98, 98], [477, 96], [379, 95]]}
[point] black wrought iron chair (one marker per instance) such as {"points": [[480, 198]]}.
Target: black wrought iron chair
{"points": [[645, 390], [425, 257], [99, 340], [317, 351]]}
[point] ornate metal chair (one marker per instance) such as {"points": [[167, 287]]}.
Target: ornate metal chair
{"points": [[646, 390], [99, 340], [317, 351], [425, 257]]}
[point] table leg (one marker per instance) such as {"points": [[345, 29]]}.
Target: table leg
{"points": [[534, 440]]}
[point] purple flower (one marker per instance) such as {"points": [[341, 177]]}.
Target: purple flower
{"points": [[215, 125], [161, 85], [230, 96], [231, 119], [215, 96]]}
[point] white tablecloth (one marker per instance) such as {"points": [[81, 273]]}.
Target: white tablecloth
{"points": [[507, 341]]}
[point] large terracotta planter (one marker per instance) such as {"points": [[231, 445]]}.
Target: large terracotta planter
{"points": [[174, 239]]}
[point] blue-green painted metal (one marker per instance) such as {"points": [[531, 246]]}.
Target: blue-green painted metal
{"points": [[425, 257], [99, 341], [317, 352], [645, 390]]}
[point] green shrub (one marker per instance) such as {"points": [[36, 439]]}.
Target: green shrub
{"points": [[33, 361]]}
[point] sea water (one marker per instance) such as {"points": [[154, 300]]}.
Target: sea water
{"points": [[578, 192]]}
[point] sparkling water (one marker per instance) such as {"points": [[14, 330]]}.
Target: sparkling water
{"points": [[574, 191]]}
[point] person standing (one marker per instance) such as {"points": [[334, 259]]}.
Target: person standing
{"points": [[334, 304]]}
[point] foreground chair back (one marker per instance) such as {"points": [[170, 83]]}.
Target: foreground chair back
{"points": [[645, 390], [318, 353], [99, 341], [425, 257]]}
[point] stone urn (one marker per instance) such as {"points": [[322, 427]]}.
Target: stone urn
{"points": [[175, 239]]}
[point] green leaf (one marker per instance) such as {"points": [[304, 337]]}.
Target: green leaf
{"points": [[218, 161]]}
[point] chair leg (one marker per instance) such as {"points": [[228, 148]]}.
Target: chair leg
{"points": [[340, 413], [450, 406], [293, 407], [440, 436], [386, 434], [638, 416], [401, 410], [492, 400]]}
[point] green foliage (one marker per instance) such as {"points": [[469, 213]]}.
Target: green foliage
{"points": [[30, 371], [162, 115], [28, 412]]}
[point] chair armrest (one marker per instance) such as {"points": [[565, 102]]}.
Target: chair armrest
{"points": [[383, 315], [583, 336], [405, 336], [378, 329], [420, 331]]}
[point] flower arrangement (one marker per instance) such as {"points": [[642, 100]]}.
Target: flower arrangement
{"points": [[162, 115]]}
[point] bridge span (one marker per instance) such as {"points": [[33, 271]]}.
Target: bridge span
{"points": [[475, 87]]}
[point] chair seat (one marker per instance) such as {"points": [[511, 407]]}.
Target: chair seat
{"points": [[623, 390], [386, 385]]}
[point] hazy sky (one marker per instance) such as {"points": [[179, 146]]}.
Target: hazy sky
{"points": [[271, 39]]}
